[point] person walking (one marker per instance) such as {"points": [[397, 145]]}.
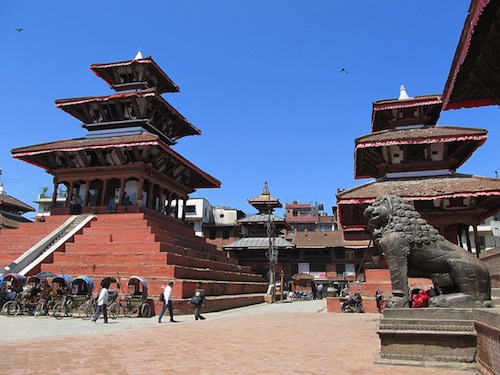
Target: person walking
{"points": [[319, 291], [167, 302], [102, 304], [198, 300]]}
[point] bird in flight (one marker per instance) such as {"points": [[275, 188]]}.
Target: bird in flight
{"points": [[344, 70], [19, 29]]}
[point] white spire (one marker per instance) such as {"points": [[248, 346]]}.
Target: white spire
{"points": [[138, 56], [402, 93], [2, 190]]}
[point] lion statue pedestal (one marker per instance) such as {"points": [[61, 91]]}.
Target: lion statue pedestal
{"points": [[443, 334]]}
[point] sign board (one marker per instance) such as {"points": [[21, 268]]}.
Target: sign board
{"points": [[318, 275]]}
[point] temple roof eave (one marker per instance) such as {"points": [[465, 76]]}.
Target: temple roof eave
{"points": [[46, 155], [165, 83], [449, 186], [81, 109], [473, 79], [430, 134]]}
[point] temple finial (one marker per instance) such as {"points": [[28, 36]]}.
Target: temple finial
{"points": [[265, 191], [138, 56], [402, 93]]}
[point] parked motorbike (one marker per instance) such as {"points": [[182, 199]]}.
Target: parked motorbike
{"points": [[352, 304]]}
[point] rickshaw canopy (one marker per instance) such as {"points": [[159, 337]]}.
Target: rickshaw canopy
{"points": [[62, 279], [140, 279], [17, 280], [84, 284]]}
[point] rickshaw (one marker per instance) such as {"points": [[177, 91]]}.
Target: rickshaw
{"points": [[61, 296], [13, 284], [30, 296], [135, 302], [82, 288], [45, 302]]}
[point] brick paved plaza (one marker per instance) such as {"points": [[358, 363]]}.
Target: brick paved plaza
{"points": [[290, 338]]}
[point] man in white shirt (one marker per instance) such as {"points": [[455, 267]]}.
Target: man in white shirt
{"points": [[102, 304], [167, 302]]}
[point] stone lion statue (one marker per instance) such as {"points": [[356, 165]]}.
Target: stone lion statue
{"points": [[414, 248]]}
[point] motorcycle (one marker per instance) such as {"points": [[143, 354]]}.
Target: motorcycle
{"points": [[352, 304]]}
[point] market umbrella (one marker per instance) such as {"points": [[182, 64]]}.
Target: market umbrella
{"points": [[44, 274]]}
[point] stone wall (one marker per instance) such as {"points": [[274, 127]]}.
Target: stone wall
{"points": [[487, 325]]}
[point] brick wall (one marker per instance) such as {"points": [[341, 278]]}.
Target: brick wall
{"points": [[487, 325]]}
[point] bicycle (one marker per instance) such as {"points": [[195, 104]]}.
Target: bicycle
{"points": [[63, 308]]}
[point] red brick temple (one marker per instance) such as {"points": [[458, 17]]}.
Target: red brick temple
{"points": [[127, 181]]}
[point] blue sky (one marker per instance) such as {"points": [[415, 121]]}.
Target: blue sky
{"points": [[260, 79]]}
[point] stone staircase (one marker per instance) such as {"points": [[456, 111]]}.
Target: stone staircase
{"points": [[148, 244]]}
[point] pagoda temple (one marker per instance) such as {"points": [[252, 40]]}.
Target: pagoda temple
{"points": [[125, 184], [127, 149], [407, 154], [12, 210], [261, 245]]}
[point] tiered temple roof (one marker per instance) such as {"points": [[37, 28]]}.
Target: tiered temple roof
{"points": [[411, 156]]}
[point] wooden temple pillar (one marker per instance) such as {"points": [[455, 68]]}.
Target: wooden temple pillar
{"points": [[122, 191], [140, 191], [104, 202], [86, 197], [168, 209], [184, 200], [477, 242], [150, 200]]}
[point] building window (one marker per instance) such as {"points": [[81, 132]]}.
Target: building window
{"points": [[191, 210], [340, 253], [358, 254], [317, 267], [212, 234], [310, 227], [301, 227], [340, 269], [295, 213], [225, 234]]}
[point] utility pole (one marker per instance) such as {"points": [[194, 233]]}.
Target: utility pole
{"points": [[272, 255]]}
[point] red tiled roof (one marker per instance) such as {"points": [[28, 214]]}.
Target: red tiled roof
{"points": [[421, 135], [423, 188], [32, 154], [164, 84], [325, 239]]}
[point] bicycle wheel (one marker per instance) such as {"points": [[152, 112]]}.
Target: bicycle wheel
{"points": [[86, 311], [39, 310], [11, 308], [130, 311], [68, 309], [114, 310], [145, 310], [58, 310]]}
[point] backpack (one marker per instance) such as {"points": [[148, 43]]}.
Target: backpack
{"points": [[195, 300], [162, 297]]}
